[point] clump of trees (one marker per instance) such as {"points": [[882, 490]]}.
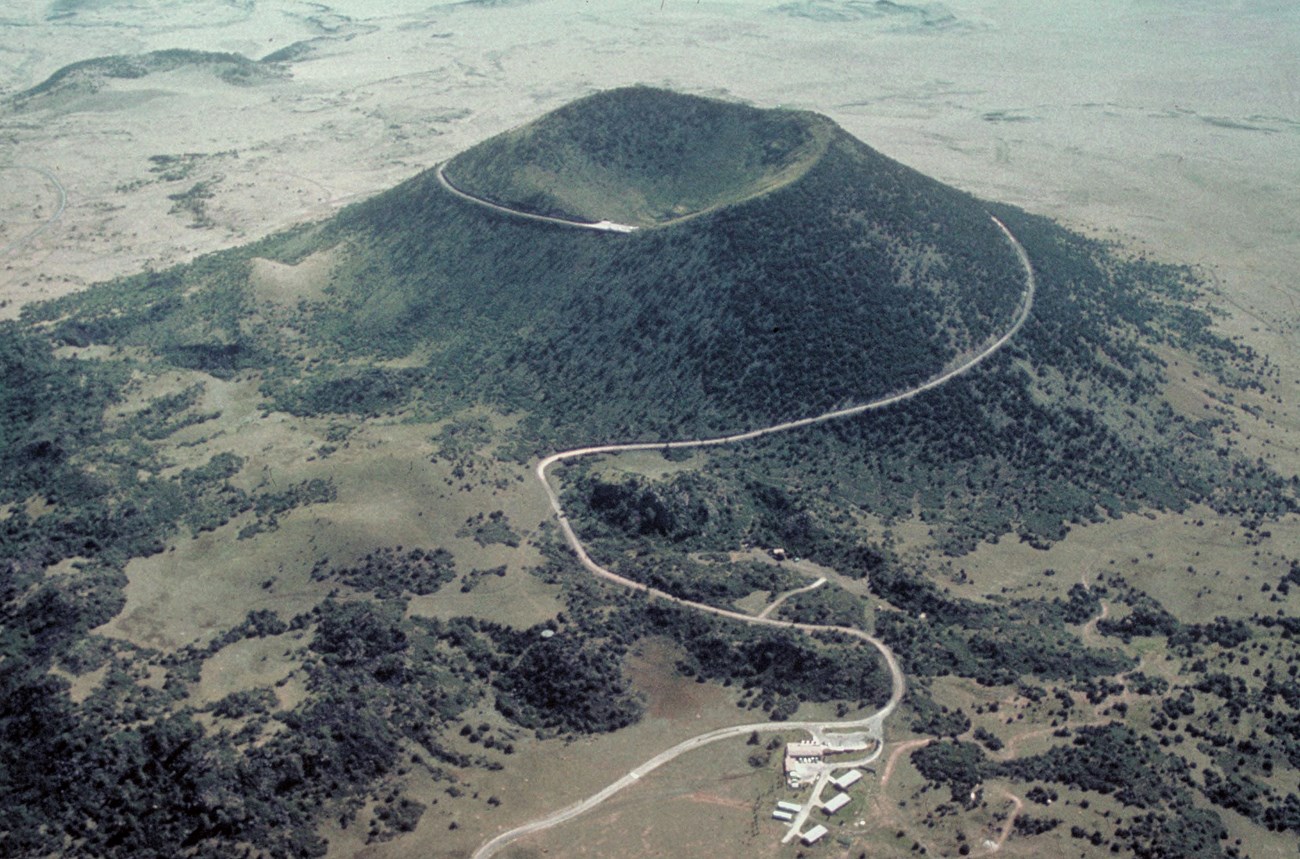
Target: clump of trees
{"points": [[389, 572], [569, 686]]}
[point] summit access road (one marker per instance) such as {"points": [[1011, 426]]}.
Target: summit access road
{"points": [[600, 226], [873, 725]]}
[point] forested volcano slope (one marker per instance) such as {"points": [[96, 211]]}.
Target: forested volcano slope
{"points": [[856, 278], [833, 277]]}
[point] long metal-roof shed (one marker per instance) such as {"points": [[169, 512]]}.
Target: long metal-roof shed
{"points": [[812, 836], [836, 802]]}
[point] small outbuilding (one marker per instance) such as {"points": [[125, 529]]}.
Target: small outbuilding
{"points": [[792, 807], [784, 816]]}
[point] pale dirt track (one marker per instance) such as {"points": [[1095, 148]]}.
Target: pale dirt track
{"points": [[49, 222], [777, 603], [899, 751], [873, 724], [1017, 806]]}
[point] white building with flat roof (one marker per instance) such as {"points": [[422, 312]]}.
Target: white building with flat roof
{"points": [[792, 807], [806, 752], [847, 780], [786, 816], [803, 762], [812, 836], [836, 802]]}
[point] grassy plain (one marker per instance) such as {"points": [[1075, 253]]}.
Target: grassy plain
{"points": [[693, 806]]}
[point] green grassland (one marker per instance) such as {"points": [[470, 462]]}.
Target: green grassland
{"points": [[274, 570]]}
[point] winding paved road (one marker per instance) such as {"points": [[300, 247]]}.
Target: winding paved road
{"points": [[873, 724]]}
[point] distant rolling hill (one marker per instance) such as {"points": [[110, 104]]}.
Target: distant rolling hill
{"points": [[75, 82]]}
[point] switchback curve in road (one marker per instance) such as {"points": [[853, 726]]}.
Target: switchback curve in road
{"points": [[873, 723]]}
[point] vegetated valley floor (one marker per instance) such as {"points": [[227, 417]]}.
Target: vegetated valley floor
{"points": [[278, 619]]}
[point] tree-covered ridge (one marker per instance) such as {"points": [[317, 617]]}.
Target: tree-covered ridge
{"points": [[640, 156]]}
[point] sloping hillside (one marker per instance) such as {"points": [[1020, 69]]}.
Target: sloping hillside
{"points": [[857, 277]]}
